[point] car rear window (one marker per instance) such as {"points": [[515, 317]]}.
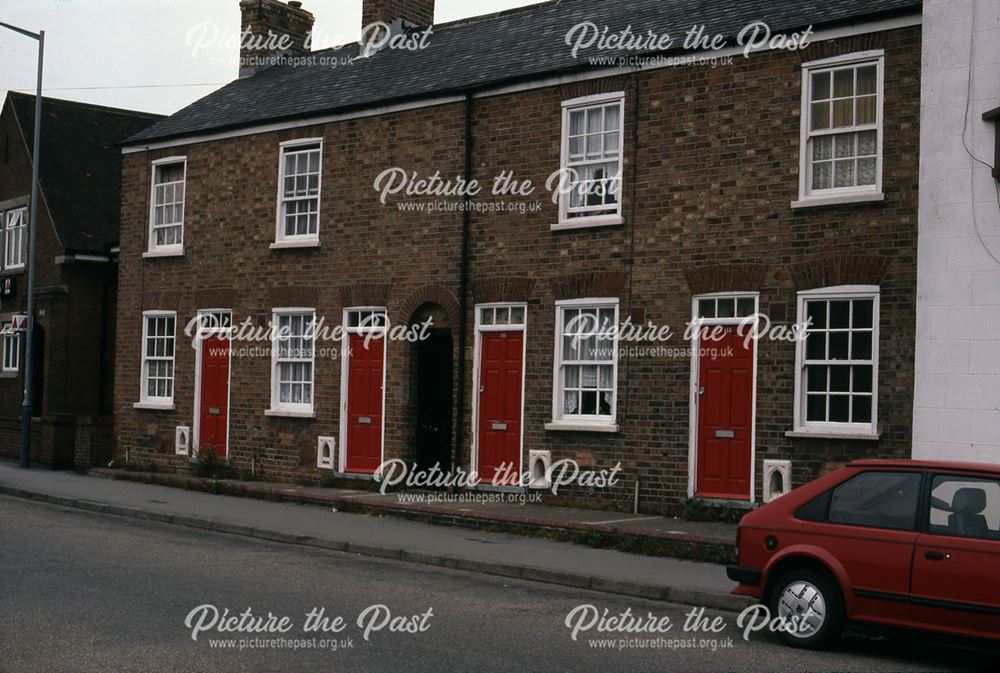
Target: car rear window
{"points": [[877, 500], [965, 507], [815, 509]]}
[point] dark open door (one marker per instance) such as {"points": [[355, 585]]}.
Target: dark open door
{"points": [[434, 362]]}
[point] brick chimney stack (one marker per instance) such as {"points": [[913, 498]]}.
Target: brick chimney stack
{"points": [[271, 28], [418, 12]]}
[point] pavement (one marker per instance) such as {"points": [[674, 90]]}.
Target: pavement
{"points": [[86, 592], [505, 512], [387, 537]]}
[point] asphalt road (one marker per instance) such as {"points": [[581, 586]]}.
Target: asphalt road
{"points": [[90, 592]]}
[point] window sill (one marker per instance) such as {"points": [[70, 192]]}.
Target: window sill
{"points": [[154, 406], [838, 199], [833, 434], [9, 374], [571, 426], [289, 245], [588, 222], [12, 270], [153, 254], [288, 413]]}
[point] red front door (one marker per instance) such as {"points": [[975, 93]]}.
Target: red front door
{"points": [[499, 439], [725, 414], [365, 366], [213, 414]]}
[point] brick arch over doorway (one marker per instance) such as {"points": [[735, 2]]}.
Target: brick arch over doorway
{"points": [[748, 277], [502, 288], [430, 294], [370, 294]]}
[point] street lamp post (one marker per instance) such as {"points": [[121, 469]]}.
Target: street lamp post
{"points": [[36, 160]]}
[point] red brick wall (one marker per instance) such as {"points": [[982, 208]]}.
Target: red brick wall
{"points": [[708, 184], [230, 222]]}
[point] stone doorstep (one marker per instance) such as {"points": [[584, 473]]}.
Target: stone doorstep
{"points": [[677, 544]]}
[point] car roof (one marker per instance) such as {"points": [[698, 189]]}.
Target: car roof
{"points": [[928, 465]]}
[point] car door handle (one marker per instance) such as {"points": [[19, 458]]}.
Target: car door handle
{"points": [[936, 555]]}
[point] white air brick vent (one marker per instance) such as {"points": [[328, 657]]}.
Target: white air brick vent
{"points": [[539, 469], [326, 453], [777, 479], [182, 440]]}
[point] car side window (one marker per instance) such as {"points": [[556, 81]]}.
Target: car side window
{"points": [[877, 500], [965, 507]]}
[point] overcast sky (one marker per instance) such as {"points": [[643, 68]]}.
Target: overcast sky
{"points": [[123, 52]]}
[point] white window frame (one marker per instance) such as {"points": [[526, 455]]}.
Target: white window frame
{"points": [[827, 428], [600, 220], [11, 350], [175, 249], [287, 408], [560, 420], [807, 196], [147, 401], [8, 217], [281, 240]]}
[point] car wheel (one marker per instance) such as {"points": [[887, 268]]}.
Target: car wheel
{"points": [[810, 606]]}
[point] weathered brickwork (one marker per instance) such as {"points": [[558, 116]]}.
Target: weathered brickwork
{"points": [[711, 166], [74, 326]]}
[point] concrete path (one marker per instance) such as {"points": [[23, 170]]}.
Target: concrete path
{"points": [[522, 513], [501, 554]]}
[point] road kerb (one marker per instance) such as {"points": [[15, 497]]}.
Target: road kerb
{"points": [[670, 594]]}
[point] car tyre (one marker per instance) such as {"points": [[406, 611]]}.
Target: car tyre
{"points": [[815, 601]]}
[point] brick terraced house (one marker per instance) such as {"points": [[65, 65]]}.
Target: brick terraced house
{"points": [[783, 183], [75, 278]]}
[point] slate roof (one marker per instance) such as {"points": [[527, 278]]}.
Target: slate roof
{"points": [[491, 50], [81, 165]]}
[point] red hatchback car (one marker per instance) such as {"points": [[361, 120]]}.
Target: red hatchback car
{"points": [[895, 542]]}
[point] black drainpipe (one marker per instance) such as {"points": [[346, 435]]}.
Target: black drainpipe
{"points": [[103, 403], [463, 286]]}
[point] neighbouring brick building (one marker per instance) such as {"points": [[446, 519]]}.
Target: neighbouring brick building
{"points": [[76, 276], [710, 190]]}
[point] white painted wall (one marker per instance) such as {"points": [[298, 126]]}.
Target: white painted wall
{"points": [[957, 393]]}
